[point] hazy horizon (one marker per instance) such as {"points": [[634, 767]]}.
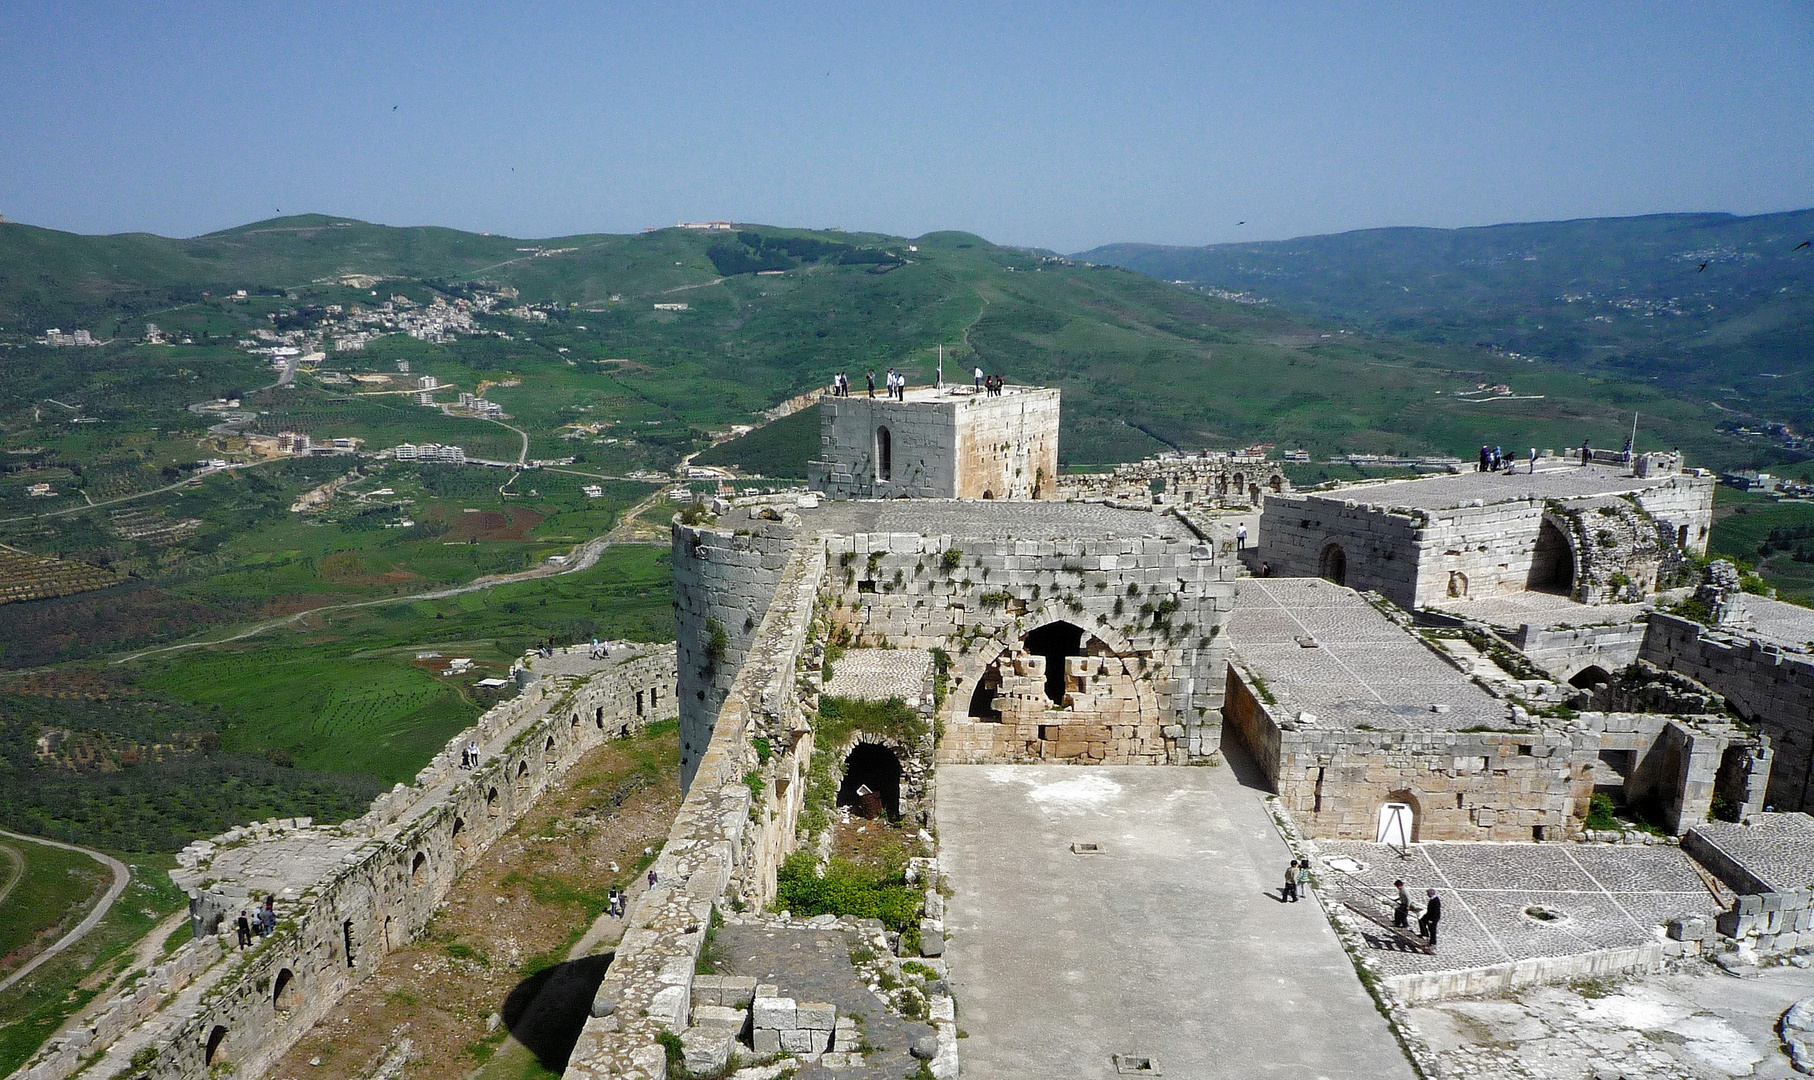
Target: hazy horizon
{"points": [[1062, 128]]}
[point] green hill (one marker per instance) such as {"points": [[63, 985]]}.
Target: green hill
{"points": [[1713, 306], [1145, 365]]}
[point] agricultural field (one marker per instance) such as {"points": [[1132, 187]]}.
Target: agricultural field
{"points": [[44, 891], [1743, 527], [24, 576], [100, 963]]}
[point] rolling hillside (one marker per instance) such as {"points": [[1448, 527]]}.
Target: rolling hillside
{"points": [[1145, 365], [1714, 306]]}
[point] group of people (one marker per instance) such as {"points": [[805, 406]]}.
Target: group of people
{"points": [[1493, 459], [260, 921], [896, 384], [469, 755], [989, 384], [1297, 879], [600, 650], [1426, 922]]}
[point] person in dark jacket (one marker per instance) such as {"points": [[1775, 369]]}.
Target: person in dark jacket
{"points": [[245, 931], [1432, 914]]}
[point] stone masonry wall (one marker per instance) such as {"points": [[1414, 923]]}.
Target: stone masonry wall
{"points": [[404, 854], [1515, 784], [1380, 551], [725, 574], [941, 446], [1769, 686], [1148, 686], [1212, 479], [724, 839]]}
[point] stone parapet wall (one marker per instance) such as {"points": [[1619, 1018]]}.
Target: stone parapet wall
{"points": [[1212, 479], [725, 838], [399, 860], [1379, 550], [1566, 651], [1769, 686], [1684, 503], [1767, 916], [1146, 692]]}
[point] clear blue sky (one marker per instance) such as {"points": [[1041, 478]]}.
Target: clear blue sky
{"points": [[1062, 126]]}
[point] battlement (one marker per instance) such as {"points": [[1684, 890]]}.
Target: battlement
{"points": [[939, 443]]}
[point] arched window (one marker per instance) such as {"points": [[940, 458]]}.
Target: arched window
{"points": [[1057, 642], [491, 803], [1552, 561], [884, 454], [418, 870], [215, 1038], [460, 838], [284, 995]]}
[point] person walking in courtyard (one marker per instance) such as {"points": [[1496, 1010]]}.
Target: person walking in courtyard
{"points": [[1533, 461], [1432, 914], [979, 378], [872, 385], [1586, 451], [1289, 894], [1401, 908], [244, 926], [1241, 537]]}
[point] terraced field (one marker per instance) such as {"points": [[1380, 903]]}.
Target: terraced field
{"points": [[24, 576]]}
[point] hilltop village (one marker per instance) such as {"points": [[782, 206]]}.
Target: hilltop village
{"points": [[1096, 707]]}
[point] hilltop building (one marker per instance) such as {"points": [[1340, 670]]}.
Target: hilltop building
{"points": [[939, 443]]}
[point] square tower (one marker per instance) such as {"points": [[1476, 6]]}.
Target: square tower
{"points": [[951, 443]]}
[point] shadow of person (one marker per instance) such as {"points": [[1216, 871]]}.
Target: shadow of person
{"points": [[546, 1011]]}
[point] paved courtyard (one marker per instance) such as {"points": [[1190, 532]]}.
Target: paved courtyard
{"points": [[1171, 943]]}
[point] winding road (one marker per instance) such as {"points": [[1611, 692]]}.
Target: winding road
{"points": [[121, 875]]}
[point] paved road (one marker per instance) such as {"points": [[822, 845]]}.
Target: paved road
{"points": [[1173, 943], [129, 498], [121, 875]]}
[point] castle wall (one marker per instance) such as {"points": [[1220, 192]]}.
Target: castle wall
{"points": [[1208, 480], [1685, 504], [726, 837], [1146, 686], [725, 577], [399, 861], [1768, 686], [1380, 551]]}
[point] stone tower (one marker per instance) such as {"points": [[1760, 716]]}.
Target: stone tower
{"points": [[951, 443]]}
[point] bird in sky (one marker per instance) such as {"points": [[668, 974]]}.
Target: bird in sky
{"points": [[393, 108], [1803, 244], [1240, 223], [1703, 266]]}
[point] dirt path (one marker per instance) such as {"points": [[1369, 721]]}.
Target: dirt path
{"points": [[17, 861], [127, 498], [583, 557], [121, 875]]}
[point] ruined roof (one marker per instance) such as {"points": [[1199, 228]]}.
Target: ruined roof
{"points": [[990, 519], [1540, 609], [880, 674], [1453, 490], [1325, 650], [1787, 625], [1776, 849]]}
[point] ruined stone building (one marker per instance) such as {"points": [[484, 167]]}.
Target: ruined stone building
{"points": [[1209, 479], [1595, 533]]}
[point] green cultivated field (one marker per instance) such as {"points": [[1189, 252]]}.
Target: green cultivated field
{"points": [[53, 890], [1743, 523], [32, 1009]]}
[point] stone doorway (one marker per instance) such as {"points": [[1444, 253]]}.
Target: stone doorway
{"points": [[1057, 642], [872, 782], [1334, 565], [1552, 562]]}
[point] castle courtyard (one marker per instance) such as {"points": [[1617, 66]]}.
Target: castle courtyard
{"points": [[1170, 944]]}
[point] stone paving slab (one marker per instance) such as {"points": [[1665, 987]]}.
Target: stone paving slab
{"points": [[880, 674], [995, 519], [1605, 897], [1461, 489], [1776, 848], [1788, 625], [1171, 943], [1362, 665], [1547, 610]]}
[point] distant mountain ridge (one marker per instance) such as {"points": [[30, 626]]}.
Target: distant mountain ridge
{"points": [[1715, 305]]}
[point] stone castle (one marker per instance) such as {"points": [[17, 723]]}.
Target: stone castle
{"points": [[1471, 656]]}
